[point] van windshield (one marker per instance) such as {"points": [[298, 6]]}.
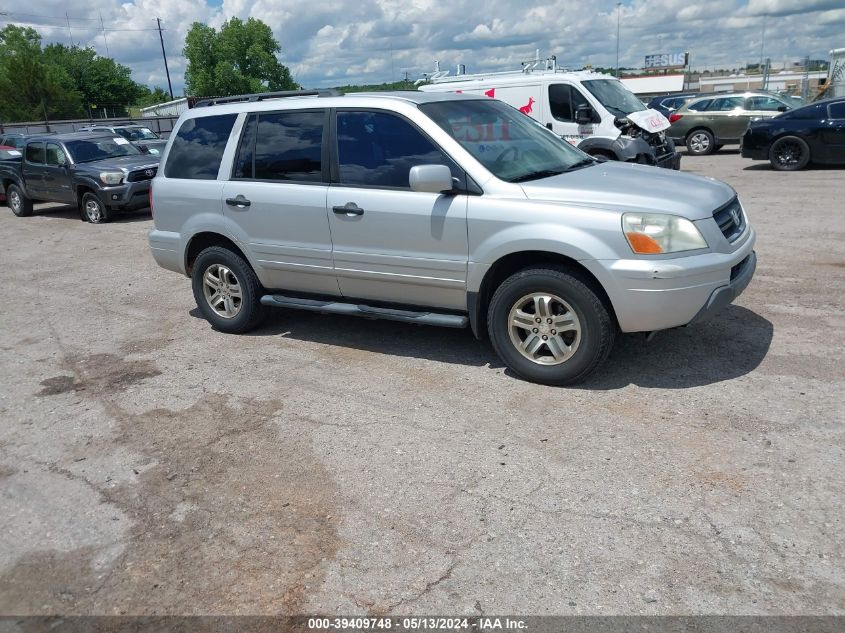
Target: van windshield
{"points": [[614, 96], [512, 145]]}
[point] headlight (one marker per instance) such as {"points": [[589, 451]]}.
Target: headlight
{"points": [[653, 233], [111, 177]]}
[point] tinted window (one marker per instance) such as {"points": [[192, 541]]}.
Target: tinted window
{"points": [[246, 150], [564, 100], [699, 106], [91, 149], [725, 104], [55, 155], [837, 110], [289, 146], [807, 112], [35, 153], [767, 104], [198, 148], [379, 149]]}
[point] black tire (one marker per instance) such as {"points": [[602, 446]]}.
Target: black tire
{"points": [[249, 312], [17, 201], [789, 153], [594, 339], [93, 210], [700, 142]]}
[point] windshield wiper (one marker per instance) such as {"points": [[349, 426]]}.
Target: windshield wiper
{"points": [[535, 175], [581, 163]]}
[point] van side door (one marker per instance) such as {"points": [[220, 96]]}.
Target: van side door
{"points": [[390, 243]]}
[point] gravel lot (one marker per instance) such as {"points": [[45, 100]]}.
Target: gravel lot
{"points": [[151, 465]]}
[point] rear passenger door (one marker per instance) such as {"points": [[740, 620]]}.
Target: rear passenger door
{"points": [[33, 169], [728, 117], [390, 243], [277, 198]]}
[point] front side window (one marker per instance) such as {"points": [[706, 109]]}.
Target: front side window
{"points": [[378, 149], [91, 149], [614, 96], [55, 155], [564, 100], [765, 104], [35, 153], [288, 146], [513, 147], [197, 150]]}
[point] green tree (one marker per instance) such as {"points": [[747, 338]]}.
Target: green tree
{"points": [[100, 80], [30, 88], [240, 58], [152, 97]]}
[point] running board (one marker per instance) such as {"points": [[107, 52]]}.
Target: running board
{"points": [[370, 312]]}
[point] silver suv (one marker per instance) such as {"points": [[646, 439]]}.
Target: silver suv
{"points": [[440, 209]]}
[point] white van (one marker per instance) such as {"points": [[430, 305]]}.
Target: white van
{"points": [[593, 111]]}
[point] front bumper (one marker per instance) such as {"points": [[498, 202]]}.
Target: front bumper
{"points": [[658, 294], [126, 197]]}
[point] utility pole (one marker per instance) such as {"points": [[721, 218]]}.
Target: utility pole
{"points": [[762, 42], [69, 34], [105, 41], [163, 54], [618, 13]]}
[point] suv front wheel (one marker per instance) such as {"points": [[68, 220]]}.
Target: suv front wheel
{"points": [[550, 327], [227, 291]]}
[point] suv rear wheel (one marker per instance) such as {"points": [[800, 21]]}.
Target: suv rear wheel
{"points": [[20, 205], [227, 291], [700, 142], [550, 327]]}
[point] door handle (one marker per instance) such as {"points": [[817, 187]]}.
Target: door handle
{"points": [[238, 201], [350, 208]]}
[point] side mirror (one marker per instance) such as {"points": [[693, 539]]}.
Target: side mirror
{"points": [[782, 108], [144, 149], [583, 114], [431, 179]]}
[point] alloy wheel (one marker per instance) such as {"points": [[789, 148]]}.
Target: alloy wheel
{"points": [[222, 291], [699, 143], [93, 211], [15, 202], [544, 328]]}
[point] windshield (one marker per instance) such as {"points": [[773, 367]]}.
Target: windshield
{"points": [[91, 149], [513, 146], [136, 133], [614, 96]]}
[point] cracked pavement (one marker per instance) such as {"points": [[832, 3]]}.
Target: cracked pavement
{"points": [[149, 465]]}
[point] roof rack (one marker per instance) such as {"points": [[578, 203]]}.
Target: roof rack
{"points": [[261, 96]]}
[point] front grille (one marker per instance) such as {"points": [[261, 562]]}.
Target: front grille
{"points": [[731, 220], [142, 174]]}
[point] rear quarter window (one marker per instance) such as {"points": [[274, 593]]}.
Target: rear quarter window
{"points": [[837, 110], [198, 147]]}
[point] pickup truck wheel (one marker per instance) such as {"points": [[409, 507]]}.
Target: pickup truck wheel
{"points": [[93, 209], [227, 291], [701, 143], [20, 205], [550, 327]]}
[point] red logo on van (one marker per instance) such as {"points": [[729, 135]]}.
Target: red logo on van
{"points": [[528, 107], [491, 93]]}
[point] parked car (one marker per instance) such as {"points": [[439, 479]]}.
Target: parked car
{"points": [[440, 209], [103, 174], [140, 136], [17, 139], [667, 104], [790, 141], [594, 111], [706, 124]]}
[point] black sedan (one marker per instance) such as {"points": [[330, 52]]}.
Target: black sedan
{"points": [[814, 133]]}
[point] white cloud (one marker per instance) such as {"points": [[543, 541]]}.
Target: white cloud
{"points": [[370, 41]]}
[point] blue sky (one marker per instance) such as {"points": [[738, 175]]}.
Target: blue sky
{"points": [[335, 42]]}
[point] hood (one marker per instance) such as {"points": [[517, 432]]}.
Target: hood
{"points": [[630, 187], [128, 163], [650, 120]]}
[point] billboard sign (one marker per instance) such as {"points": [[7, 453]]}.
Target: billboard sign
{"points": [[666, 60]]}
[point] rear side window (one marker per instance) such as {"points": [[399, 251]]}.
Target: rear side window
{"points": [[55, 155], [289, 146], [198, 148], [378, 149], [564, 100], [837, 110], [35, 153], [699, 106]]}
